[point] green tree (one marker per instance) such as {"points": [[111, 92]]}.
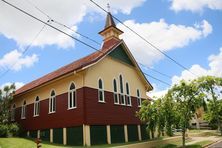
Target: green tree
{"points": [[211, 87], [187, 100], [158, 104], [169, 112], [148, 114], [6, 127], [6, 96]]}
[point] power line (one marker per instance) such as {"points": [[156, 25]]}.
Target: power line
{"points": [[46, 24], [144, 39], [30, 15], [24, 51], [157, 79], [152, 69], [61, 24]]}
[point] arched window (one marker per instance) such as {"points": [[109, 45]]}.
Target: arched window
{"points": [[128, 98], [36, 106], [13, 112], [52, 102], [115, 94], [122, 97], [23, 112], [100, 91], [138, 98], [72, 96]]}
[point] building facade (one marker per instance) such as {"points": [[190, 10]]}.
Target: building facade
{"points": [[90, 101]]}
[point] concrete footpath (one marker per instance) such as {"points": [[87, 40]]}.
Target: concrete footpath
{"points": [[157, 143], [152, 144]]}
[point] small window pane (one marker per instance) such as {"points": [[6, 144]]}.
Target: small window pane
{"points": [[100, 84], [72, 86], [121, 83]]}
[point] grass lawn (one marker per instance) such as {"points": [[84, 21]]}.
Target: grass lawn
{"points": [[29, 143], [23, 143]]}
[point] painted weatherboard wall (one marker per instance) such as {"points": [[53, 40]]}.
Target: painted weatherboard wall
{"points": [[108, 69], [63, 117], [108, 113], [60, 86]]}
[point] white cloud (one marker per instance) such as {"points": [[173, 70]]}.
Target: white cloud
{"points": [[17, 85], [195, 5], [163, 35], [21, 28], [14, 60], [215, 64]]}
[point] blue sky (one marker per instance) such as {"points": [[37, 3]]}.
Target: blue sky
{"points": [[189, 31]]}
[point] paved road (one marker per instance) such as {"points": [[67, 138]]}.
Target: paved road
{"points": [[216, 145]]}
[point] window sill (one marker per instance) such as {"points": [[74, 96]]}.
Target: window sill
{"points": [[23, 118], [35, 115], [52, 112], [123, 105], [101, 101], [71, 108]]}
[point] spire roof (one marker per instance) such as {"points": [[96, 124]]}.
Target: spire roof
{"points": [[109, 21]]}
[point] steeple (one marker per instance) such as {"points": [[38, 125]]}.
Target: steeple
{"points": [[110, 30]]}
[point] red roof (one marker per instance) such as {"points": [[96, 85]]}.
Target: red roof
{"points": [[76, 65]]}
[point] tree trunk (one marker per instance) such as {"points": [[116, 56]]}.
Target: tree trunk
{"points": [[152, 134], [183, 137]]}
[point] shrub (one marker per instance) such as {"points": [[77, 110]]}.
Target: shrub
{"points": [[3, 130], [9, 130], [13, 129]]}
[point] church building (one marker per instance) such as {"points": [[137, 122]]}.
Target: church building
{"points": [[90, 101]]}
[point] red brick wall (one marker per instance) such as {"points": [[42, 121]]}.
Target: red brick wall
{"points": [[96, 113]]}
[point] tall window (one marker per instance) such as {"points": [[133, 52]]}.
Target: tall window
{"points": [[101, 91], [23, 112], [72, 96], [138, 98], [122, 97], [13, 113], [128, 98], [52, 102], [115, 94], [36, 106]]}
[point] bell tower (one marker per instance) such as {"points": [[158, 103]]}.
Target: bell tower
{"points": [[110, 30]]}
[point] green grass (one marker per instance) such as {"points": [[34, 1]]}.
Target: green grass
{"points": [[29, 143], [204, 142], [24, 143]]}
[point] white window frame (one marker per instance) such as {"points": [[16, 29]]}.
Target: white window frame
{"points": [[115, 93], [13, 112], [121, 94], [52, 100], [128, 97], [23, 110], [139, 101], [101, 90], [73, 94], [36, 107]]}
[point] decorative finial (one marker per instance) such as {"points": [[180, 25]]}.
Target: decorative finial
{"points": [[108, 7]]}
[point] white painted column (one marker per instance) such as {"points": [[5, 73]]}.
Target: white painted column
{"points": [[86, 135], [51, 135], [139, 132], [64, 136], [108, 134], [126, 133], [28, 133], [38, 133]]}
